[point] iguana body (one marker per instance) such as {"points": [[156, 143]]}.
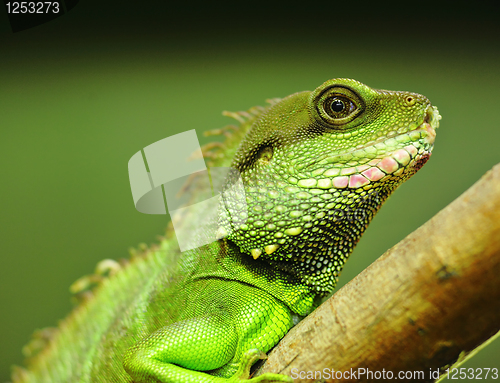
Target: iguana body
{"points": [[316, 167]]}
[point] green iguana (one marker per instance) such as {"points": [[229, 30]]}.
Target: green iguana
{"points": [[316, 166]]}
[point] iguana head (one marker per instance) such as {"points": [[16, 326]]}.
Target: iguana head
{"points": [[317, 166]]}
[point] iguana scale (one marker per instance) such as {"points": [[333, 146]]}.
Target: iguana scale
{"points": [[316, 166]]}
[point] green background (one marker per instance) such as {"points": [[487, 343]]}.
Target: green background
{"points": [[81, 94]]}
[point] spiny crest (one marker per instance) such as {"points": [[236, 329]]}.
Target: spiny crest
{"points": [[39, 340], [221, 153], [82, 289], [216, 154]]}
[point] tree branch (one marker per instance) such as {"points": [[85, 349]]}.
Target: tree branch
{"points": [[427, 303]]}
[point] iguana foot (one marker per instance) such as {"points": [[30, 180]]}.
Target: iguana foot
{"points": [[248, 359]]}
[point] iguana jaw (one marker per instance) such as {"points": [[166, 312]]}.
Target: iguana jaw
{"points": [[390, 156], [428, 126]]}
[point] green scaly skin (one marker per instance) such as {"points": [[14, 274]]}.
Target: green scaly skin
{"points": [[316, 167]]}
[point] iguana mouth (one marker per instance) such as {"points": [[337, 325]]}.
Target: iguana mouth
{"points": [[381, 159], [430, 124], [427, 127]]}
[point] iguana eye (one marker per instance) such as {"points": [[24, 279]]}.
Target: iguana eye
{"points": [[337, 106]]}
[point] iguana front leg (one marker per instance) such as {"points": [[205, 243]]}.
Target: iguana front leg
{"points": [[226, 344]]}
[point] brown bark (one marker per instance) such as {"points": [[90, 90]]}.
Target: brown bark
{"points": [[424, 305]]}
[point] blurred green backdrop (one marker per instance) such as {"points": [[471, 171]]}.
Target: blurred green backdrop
{"points": [[81, 94]]}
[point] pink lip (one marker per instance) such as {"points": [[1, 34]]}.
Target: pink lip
{"points": [[431, 133]]}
